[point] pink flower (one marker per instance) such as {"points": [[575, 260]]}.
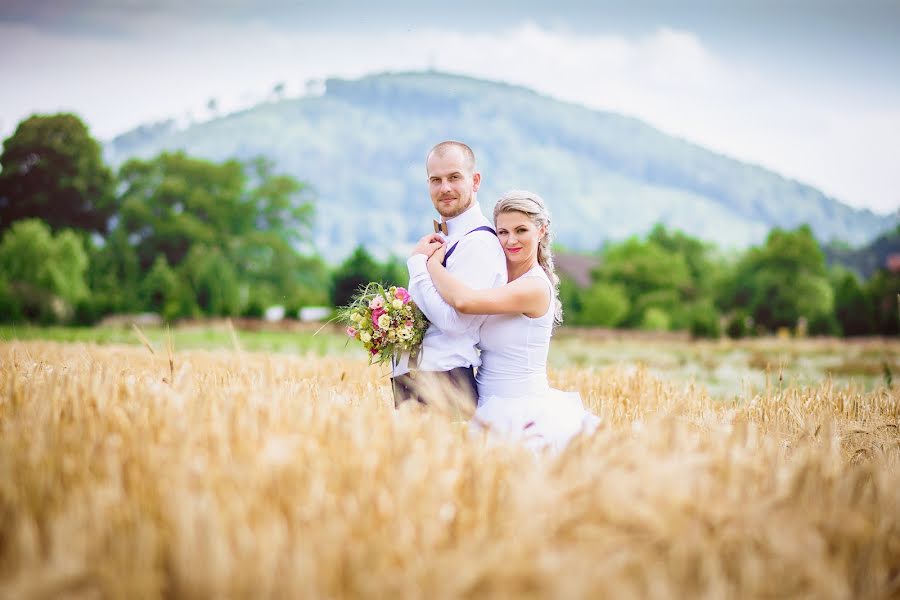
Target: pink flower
{"points": [[374, 351], [376, 303], [351, 332], [409, 323], [375, 314], [402, 295]]}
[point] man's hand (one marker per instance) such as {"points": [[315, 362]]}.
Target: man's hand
{"points": [[427, 245]]}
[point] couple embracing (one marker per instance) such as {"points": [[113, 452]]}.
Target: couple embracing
{"points": [[490, 287]]}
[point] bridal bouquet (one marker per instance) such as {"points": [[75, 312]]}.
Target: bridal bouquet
{"points": [[386, 321]]}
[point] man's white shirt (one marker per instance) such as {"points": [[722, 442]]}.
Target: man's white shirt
{"points": [[479, 262]]}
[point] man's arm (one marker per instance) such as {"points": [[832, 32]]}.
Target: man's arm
{"points": [[478, 261]]}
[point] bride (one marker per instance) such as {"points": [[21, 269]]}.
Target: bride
{"points": [[515, 399]]}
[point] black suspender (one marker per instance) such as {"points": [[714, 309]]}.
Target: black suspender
{"points": [[453, 247]]}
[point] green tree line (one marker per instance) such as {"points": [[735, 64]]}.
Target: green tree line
{"points": [[670, 281], [185, 237], [176, 235]]}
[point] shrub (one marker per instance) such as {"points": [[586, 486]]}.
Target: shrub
{"points": [[604, 304], [739, 325], [10, 307], [656, 319], [703, 321]]}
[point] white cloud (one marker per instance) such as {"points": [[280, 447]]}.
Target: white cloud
{"points": [[835, 139]]}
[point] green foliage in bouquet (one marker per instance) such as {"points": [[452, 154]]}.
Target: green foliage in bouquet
{"points": [[386, 321]]}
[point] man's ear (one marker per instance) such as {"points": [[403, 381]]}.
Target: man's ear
{"points": [[476, 181]]}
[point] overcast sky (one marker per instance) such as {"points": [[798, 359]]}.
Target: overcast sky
{"points": [[808, 88]]}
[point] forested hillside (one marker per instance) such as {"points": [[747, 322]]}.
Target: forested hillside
{"points": [[361, 146]]}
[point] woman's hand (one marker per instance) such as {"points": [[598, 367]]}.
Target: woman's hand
{"points": [[437, 257], [427, 245]]}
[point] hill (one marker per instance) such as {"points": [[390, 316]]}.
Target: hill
{"points": [[867, 260], [361, 144]]}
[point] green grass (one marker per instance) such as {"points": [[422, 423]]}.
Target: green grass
{"points": [[327, 341]]}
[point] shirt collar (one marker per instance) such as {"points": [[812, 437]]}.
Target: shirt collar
{"points": [[466, 222]]}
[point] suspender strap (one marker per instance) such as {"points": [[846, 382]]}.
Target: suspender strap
{"points": [[453, 247]]}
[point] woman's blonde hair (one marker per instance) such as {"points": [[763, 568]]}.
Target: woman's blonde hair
{"points": [[533, 206]]}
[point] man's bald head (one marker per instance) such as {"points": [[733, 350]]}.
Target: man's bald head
{"points": [[449, 146]]}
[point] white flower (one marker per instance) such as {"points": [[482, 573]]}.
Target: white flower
{"points": [[365, 337], [384, 321], [398, 304]]}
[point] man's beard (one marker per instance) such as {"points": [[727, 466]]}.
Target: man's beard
{"points": [[459, 210]]}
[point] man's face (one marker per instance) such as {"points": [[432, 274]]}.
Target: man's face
{"points": [[451, 182]]}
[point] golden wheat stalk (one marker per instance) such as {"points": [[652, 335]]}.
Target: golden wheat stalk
{"points": [[258, 475]]}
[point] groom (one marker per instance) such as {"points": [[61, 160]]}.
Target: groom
{"points": [[473, 254]]}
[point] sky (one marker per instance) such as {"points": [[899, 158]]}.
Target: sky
{"points": [[807, 88]]}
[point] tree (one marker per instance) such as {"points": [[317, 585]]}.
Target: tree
{"points": [[852, 308], [114, 275], [311, 279], [656, 319], [642, 268], [604, 305], [212, 284], [53, 170], [667, 301], [784, 280], [44, 275], [286, 278], [10, 306], [394, 272], [159, 290], [703, 320], [703, 271], [239, 220], [173, 201], [571, 296], [740, 324], [356, 271], [884, 291]]}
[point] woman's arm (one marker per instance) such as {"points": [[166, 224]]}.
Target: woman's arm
{"points": [[527, 295], [480, 265]]}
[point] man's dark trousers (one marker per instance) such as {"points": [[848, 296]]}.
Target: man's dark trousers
{"points": [[462, 380]]}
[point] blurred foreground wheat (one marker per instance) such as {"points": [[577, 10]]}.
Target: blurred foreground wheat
{"points": [[235, 475]]}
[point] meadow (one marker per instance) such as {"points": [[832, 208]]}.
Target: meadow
{"points": [[209, 462]]}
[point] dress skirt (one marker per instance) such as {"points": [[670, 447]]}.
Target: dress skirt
{"points": [[547, 420]]}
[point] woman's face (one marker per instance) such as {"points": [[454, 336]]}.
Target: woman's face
{"points": [[519, 237]]}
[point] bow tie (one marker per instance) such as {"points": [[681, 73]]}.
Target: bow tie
{"points": [[440, 227]]}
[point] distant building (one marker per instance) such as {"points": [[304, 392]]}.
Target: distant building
{"points": [[314, 313], [893, 262], [274, 314], [576, 267]]}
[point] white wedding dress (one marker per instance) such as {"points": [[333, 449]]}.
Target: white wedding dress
{"points": [[515, 400]]}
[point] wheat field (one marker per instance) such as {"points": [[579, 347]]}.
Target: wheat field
{"points": [[229, 474]]}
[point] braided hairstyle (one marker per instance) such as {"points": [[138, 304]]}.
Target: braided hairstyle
{"points": [[533, 206]]}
